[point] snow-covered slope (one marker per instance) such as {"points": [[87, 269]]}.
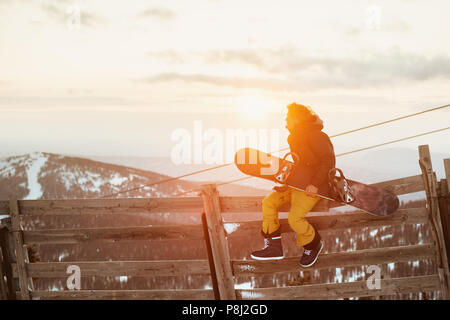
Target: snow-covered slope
{"points": [[50, 176], [34, 165]]}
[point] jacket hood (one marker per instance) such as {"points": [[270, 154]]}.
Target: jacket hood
{"points": [[309, 126]]}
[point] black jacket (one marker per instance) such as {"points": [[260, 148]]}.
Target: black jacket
{"points": [[316, 156]]}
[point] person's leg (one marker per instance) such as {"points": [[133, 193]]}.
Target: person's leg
{"points": [[307, 237], [270, 227], [270, 206], [301, 204]]}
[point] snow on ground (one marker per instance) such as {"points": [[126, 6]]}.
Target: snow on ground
{"points": [[250, 294], [7, 166], [62, 256], [231, 227], [244, 285], [391, 266], [38, 160], [353, 277], [246, 267], [6, 169], [122, 279], [90, 181], [117, 180], [338, 277], [387, 236]]}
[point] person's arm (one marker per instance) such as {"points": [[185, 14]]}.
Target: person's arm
{"points": [[321, 145]]}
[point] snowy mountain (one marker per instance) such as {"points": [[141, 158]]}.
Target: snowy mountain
{"points": [[42, 175], [50, 176]]}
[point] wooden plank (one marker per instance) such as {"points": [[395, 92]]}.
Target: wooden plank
{"points": [[253, 203], [447, 188], [110, 206], [209, 252], [19, 249], [4, 207], [444, 210], [118, 268], [430, 183], [344, 290], [339, 221], [337, 260], [219, 244], [7, 256], [447, 172], [444, 206], [3, 284], [403, 185], [116, 234], [187, 294]]}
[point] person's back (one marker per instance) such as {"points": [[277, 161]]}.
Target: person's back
{"points": [[315, 158]]}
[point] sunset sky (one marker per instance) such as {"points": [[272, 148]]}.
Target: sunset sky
{"points": [[119, 77]]}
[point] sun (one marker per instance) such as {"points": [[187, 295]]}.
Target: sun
{"points": [[252, 106]]}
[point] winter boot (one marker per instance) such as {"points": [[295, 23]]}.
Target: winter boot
{"points": [[312, 251], [272, 250]]}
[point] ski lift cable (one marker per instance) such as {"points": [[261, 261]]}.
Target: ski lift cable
{"points": [[383, 122], [230, 163], [338, 155]]}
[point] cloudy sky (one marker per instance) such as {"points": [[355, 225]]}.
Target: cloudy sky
{"points": [[109, 77]]}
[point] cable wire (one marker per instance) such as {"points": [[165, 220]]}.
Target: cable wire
{"points": [[393, 141], [338, 155], [383, 122], [230, 163]]}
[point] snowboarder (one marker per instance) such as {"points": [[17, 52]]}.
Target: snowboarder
{"points": [[316, 154]]}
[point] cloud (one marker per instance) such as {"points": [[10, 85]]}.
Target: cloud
{"points": [[247, 56], [168, 56], [159, 13], [235, 82], [73, 98], [286, 69], [363, 69]]}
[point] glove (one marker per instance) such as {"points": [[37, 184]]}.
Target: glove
{"points": [[281, 188]]}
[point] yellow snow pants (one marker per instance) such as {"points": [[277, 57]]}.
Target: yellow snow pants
{"points": [[301, 204]]}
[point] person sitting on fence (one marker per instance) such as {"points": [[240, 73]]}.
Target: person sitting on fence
{"points": [[316, 156]]}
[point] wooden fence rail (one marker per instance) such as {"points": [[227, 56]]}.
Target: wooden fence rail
{"points": [[19, 272]]}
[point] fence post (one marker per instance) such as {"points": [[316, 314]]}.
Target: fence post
{"points": [[19, 248], [218, 241], [444, 204], [3, 275], [430, 183], [5, 245]]}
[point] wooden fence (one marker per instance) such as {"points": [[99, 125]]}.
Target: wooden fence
{"points": [[19, 270]]}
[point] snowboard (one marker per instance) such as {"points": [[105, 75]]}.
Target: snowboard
{"points": [[370, 199]]}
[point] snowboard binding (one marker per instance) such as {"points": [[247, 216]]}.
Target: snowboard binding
{"points": [[340, 187], [285, 170]]}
